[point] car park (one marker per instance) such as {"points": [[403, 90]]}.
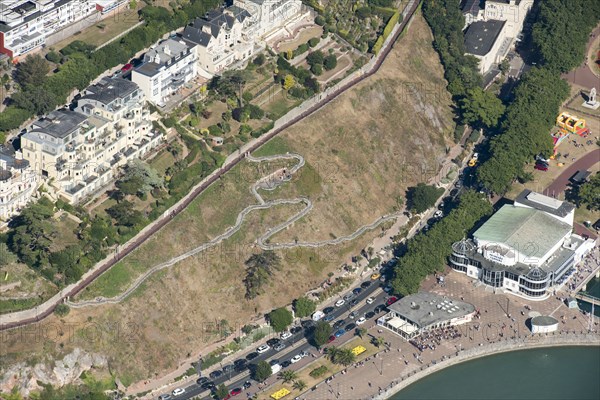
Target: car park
{"points": [[370, 300], [350, 327], [365, 284], [339, 324], [295, 359], [369, 315], [361, 321], [285, 335], [391, 300], [215, 374], [178, 391], [356, 291], [279, 346], [272, 342], [339, 332], [252, 356], [340, 303], [262, 349]]}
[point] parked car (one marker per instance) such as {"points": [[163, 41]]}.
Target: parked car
{"points": [[178, 391], [279, 346], [295, 359], [286, 364], [361, 321], [357, 291], [262, 349], [295, 329], [348, 296], [339, 324], [272, 342], [331, 338], [247, 384], [350, 327], [285, 335], [164, 397], [329, 318], [252, 356], [240, 364], [215, 374], [438, 214], [328, 310], [235, 392], [339, 332], [369, 315], [340, 303], [354, 302], [391, 300], [370, 300], [127, 67], [304, 354], [228, 368], [365, 285], [208, 385], [375, 276], [352, 315], [540, 167]]}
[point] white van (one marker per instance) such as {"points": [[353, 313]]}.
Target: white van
{"points": [[317, 315], [275, 368]]}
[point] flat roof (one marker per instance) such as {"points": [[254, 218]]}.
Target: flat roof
{"points": [[531, 232], [108, 90], [424, 308], [544, 320], [580, 176], [544, 203], [59, 123], [481, 36]]}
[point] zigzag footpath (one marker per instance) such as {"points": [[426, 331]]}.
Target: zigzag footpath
{"points": [[26, 317]]}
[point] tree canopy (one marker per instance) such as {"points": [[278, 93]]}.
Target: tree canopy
{"points": [[322, 333], [261, 371], [303, 307], [422, 197], [589, 193], [481, 107], [280, 319]]}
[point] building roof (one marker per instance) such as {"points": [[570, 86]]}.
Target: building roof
{"points": [[8, 159], [196, 35], [544, 320], [471, 7], [198, 30], [481, 36], [163, 55], [424, 309], [529, 231], [59, 123], [580, 176], [544, 203], [109, 89]]}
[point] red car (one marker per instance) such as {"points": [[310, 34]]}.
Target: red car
{"points": [[391, 300], [331, 338], [126, 67], [235, 392], [541, 167]]}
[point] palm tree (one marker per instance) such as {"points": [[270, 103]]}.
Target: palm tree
{"points": [[378, 341], [332, 353], [361, 332], [300, 385], [345, 357], [288, 375]]}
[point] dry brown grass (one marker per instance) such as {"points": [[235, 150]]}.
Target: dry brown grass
{"points": [[358, 152]]}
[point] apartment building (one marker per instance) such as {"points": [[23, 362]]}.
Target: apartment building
{"points": [[165, 69], [78, 152], [25, 24], [269, 15], [18, 182], [221, 38]]}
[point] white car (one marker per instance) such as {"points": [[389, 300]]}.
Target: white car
{"points": [[178, 391], [370, 300], [285, 335], [263, 348], [438, 214], [361, 321], [296, 358], [340, 303]]}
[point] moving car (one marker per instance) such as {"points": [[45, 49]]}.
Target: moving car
{"points": [[370, 300], [340, 303], [361, 321], [178, 391], [262, 349]]}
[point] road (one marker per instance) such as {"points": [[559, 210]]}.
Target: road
{"points": [[560, 184], [300, 343]]}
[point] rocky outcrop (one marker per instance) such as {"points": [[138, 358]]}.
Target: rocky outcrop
{"points": [[68, 370]]}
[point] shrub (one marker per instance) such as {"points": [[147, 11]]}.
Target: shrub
{"points": [[330, 62], [318, 372], [314, 41], [62, 310], [316, 69]]}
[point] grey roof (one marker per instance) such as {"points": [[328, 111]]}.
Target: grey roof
{"points": [[109, 89], [531, 232], [59, 123], [544, 320], [196, 35], [580, 176], [471, 7], [424, 309], [213, 21], [158, 53], [481, 36], [544, 203], [8, 156]]}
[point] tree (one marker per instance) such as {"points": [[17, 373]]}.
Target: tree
{"points": [[6, 256], [139, 177], [299, 385], [289, 82], [262, 371], [32, 71], [35, 100], [62, 310], [322, 333], [259, 60], [316, 57], [280, 319], [303, 307], [288, 375], [378, 341], [481, 108], [344, 357], [221, 392], [504, 66], [422, 197], [125, 214], [313, 41], [361, 332], [316, 69], [330, 62], [589, 193]]}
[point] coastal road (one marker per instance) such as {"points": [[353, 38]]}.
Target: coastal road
{"points": [[300, 343]]}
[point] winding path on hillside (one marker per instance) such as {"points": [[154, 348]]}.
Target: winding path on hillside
{"points": [[269, 182]]}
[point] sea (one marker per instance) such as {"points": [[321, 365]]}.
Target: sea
{"points": [[561, 373], [593, 289]]}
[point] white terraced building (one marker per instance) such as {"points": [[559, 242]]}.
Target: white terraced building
{"points": [[526, 248], [165, 69], [17, 182], [78, 153], [268, 16], [25, 24]]}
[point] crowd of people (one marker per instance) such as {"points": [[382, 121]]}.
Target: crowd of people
{"points": [[432, 339]]}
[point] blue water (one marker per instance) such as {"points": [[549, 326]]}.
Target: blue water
{"points": [[561, 373], [593, 289]]}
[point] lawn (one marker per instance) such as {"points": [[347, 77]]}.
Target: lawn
{"points": [[162, 161]]}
